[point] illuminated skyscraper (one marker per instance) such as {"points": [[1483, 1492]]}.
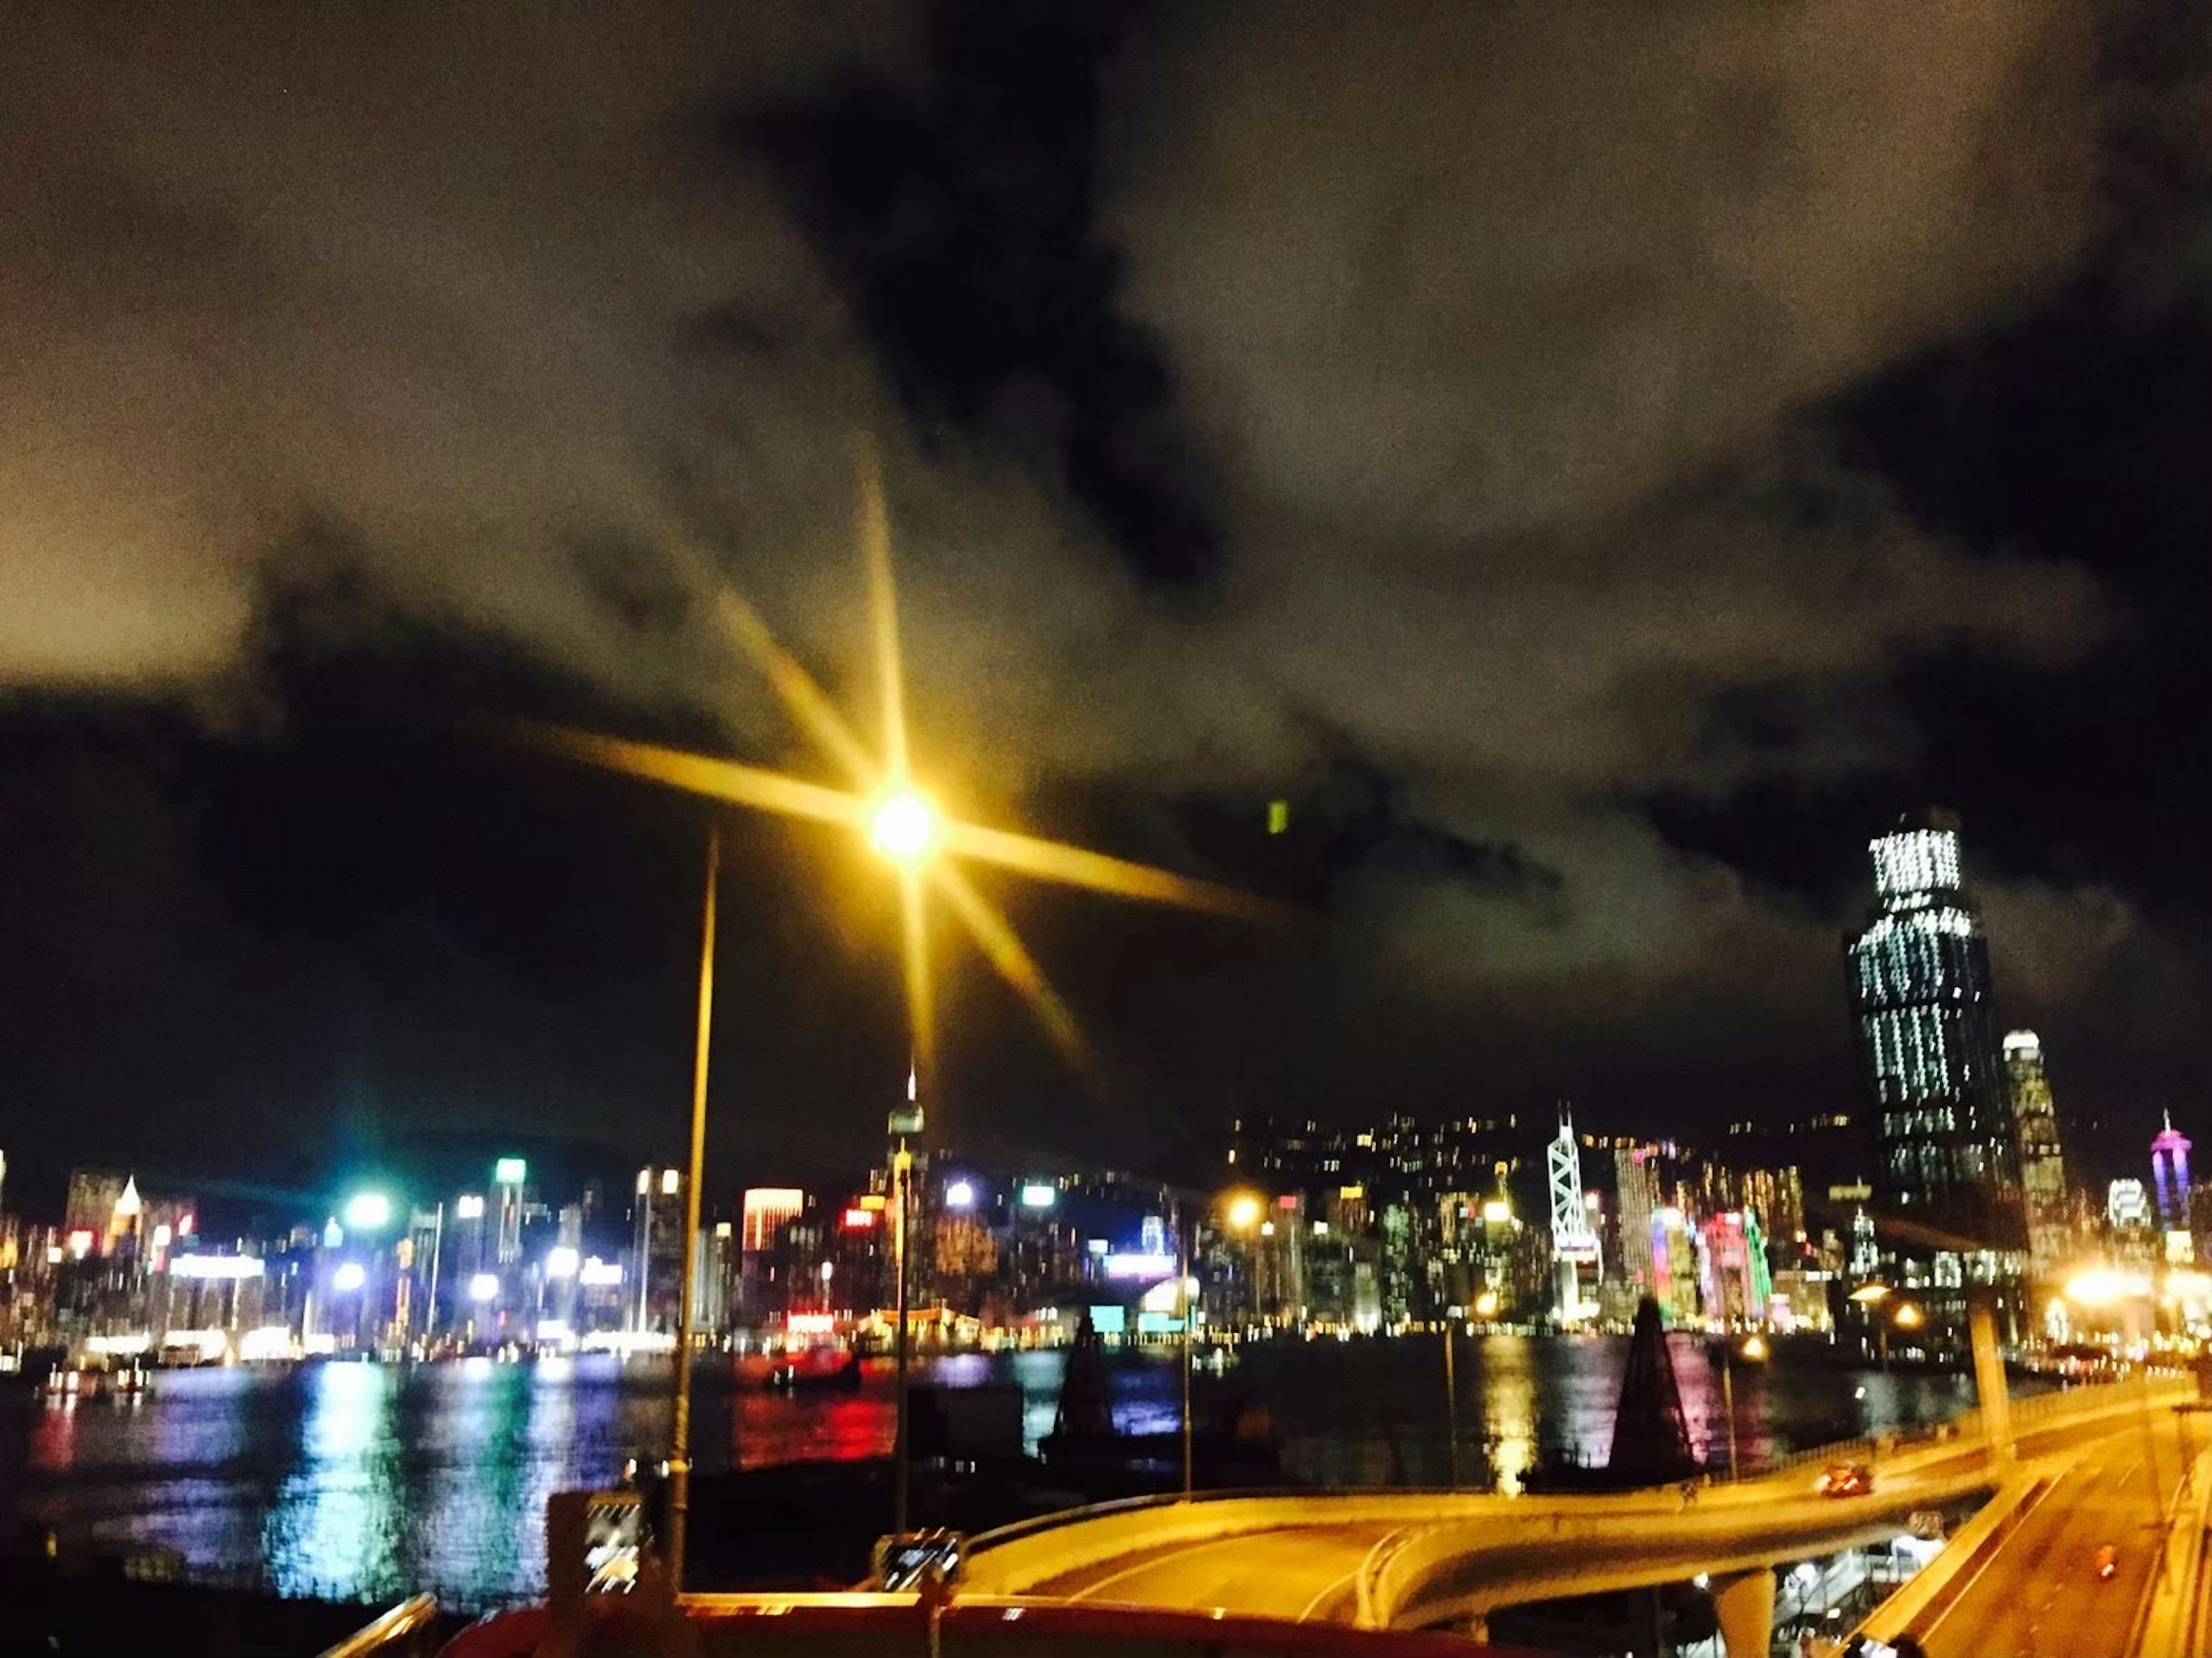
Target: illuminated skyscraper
{"points": [[657, 1249], [1635, 1176], [1573, 1244], [1920, 979], [2042, 1160], [2169, 1172], [508, 1176]]}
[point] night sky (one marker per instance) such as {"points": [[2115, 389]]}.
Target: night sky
{"points": [[1599, 464]]}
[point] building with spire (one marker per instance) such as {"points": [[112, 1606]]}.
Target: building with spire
{"points": [[2045, 1201], [1574, 1244], [2169, 1175], [1946, 1153]]}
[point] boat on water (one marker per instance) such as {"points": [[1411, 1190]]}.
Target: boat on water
{"points": [[825, 1370], [66, 1382]]}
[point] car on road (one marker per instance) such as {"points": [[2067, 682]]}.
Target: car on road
{"points": [[1847, 1480], [2108, 1563]]}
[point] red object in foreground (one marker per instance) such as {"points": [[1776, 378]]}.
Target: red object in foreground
{"points": [[767, 1624], [1847, 1480], [2108, 1562]]}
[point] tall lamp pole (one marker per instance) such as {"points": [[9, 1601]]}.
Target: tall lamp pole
{"points": [[1183, 1251], [901, 1197], [904, 829], [680, 1458], [1451, 1407], [1754, 1348]]}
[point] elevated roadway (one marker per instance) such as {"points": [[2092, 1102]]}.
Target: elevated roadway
{"points": [[2039, 1592], [1413, 1560], [2035, 1590]]}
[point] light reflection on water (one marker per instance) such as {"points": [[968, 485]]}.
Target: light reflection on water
{"points": [[364, 1482], [1507, 1408], [338, 1516]]}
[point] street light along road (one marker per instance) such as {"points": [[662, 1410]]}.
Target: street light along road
{"points": [[904, 827]]}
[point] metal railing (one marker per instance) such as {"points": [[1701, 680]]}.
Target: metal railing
{"points": [[409, 1630]]}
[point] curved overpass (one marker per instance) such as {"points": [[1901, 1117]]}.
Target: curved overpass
{"points": [[1414, 1559]]}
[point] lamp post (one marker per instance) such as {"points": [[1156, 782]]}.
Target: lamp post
{"points": [[1241, 1211], [904, 829], [680, 1458], [1754, 1350], [901, 1189], [1870, 1296], [1451, 1408], [1184, 1239]]}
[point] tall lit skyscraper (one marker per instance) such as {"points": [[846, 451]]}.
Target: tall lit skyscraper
{"points": [[1920, 978], [2042, 1160], [1635, 1178], [2169, 1172], [657, 1249], [507, 1175], [1573, 1244]]}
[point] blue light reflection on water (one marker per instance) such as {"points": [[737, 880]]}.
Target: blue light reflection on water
{"points": [[365, 1482], [336, 1522]]}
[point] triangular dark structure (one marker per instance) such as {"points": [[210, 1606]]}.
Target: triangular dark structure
{"points": [[1651, 1438], [1084, 1411]]}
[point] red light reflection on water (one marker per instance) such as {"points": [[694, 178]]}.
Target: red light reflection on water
{"points": [[768, 1426], [53, 1445]]}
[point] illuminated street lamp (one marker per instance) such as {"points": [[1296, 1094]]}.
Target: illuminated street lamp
{"points": [[1243, 1211], [1870, 1296], [904, 827], [1754, 1351], [679, 1448], [2101, 1287], [349, 1276], [483, 1288]]}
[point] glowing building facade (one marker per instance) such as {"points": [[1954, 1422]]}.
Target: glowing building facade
{"points": [[2169, 1172], [1920, 982], [2042, 1160], [1574, 1245]]}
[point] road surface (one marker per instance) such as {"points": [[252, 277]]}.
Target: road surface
{"points": [[2039, 1596], [1304, 1573], [1434, 1558]]}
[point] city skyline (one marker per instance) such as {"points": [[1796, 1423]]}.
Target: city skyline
{"points": [[1384, 1227], [1113, 824], [1918, 880], [1580, 656]]}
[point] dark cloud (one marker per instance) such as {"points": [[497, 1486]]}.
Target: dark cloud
{"points": [[1594, 465], [960, 219]]}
